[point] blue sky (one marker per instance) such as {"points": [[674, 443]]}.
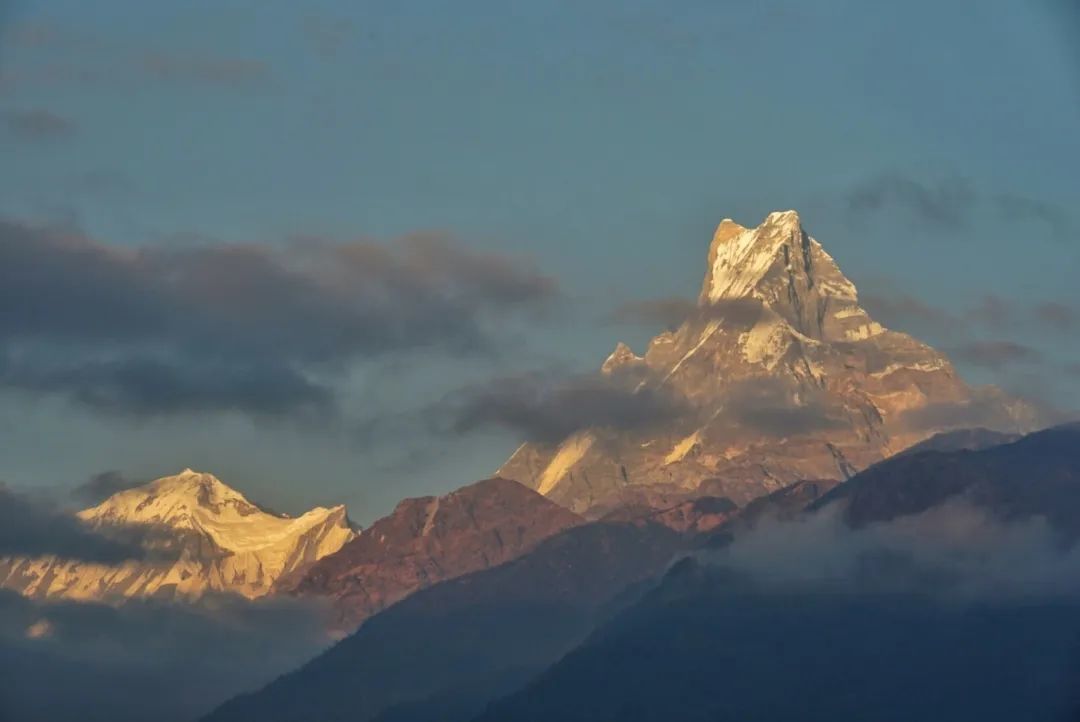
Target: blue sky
{"points": [[599, 142]]}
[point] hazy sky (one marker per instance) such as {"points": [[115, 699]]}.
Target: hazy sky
{"points": [[521, 168]]}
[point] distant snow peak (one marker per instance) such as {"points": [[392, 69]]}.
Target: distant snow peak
{"points": [[229, 544]]}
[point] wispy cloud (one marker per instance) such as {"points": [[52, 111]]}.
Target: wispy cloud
{"points": [[904, 311], [995, 354], [102, 485], [1059, 316], [38, 125], [672, 311], [328, 35], [945, 203], [548, 407], [206, 70], [952, 203]]}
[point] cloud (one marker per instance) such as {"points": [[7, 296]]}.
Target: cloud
{"points": [[768, 407], [38, 125], [31, 528], [547, 407], [988, 408], [232, 327], [148, 386], [953, 550], [1058, 316], [102, 485], [234, 73], [1022, 209], [993, 311], [945, 204], [995, 354], [905, 311], [1073, 369], [327, 36], [146, 659], [671, 312], [951, 203]]}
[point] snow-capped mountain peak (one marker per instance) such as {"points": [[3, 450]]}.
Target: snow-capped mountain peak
{"points": [[225, 543], [172, 500], [788, 378], [786, 269]]}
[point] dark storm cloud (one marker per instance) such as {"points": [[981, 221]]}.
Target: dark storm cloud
{"points": [[38, 125], [32, 528], [671, 312], [952, 203], [547, 407], [102, 485], [995, 354], [238, 327]]}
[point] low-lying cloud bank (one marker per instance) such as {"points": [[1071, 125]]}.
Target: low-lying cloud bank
{"points": [[145, 660], [955, 551], [32, 527]]}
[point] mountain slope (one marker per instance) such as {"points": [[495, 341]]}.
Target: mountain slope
{"points": [[961, 440], [1037, 475], [708, 647], [441, 653], [428, 540], [222, 542], [788, 376]]}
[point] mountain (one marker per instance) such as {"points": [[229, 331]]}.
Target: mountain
{"points": [[218, 541], [1035, 476], [440, 654], [787, 378], [961, 440], [691, 517], [706, 646], [428, 540]]}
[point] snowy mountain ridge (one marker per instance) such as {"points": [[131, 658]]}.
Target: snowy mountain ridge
{"points": [[225, 544]]}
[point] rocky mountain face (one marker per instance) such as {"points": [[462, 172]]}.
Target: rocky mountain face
{"points": [[442, 653], [216, 541], [428, 540], [785, 377]]}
